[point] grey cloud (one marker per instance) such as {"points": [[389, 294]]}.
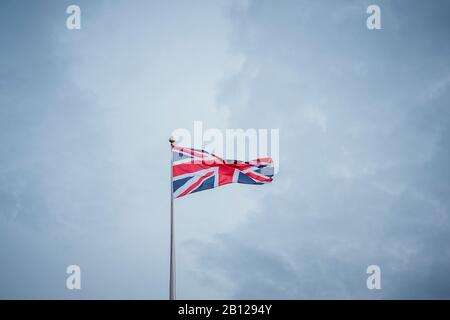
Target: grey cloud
{"points": [[364, 154]]}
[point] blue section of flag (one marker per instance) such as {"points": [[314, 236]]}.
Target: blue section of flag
{"points": [[245, 179], [205, 185], [180, 182]]}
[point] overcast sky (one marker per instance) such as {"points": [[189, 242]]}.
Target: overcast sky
{"points": [[364, 122]]}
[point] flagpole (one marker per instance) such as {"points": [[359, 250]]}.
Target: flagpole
{"points": [[172, 288]]}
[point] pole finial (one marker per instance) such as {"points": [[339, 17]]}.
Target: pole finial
{"points": [[171, 139]]}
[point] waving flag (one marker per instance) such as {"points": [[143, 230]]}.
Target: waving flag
{"points": [[197, 170]]}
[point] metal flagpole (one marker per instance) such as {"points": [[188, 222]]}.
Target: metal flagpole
{"points": [[172, 289]]}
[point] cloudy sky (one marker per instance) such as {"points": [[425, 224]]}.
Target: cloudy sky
{"points": [[364, 124]]}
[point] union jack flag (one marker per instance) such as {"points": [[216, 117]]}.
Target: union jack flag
{"points": [[196, 170]]}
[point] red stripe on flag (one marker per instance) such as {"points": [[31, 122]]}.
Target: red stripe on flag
{"points": [[258, 177], [194, 185]]}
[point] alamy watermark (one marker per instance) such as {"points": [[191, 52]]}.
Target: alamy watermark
{"points": [[73, 281], [232, 144], [374, 280], [73, 21], [373, 22]]}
